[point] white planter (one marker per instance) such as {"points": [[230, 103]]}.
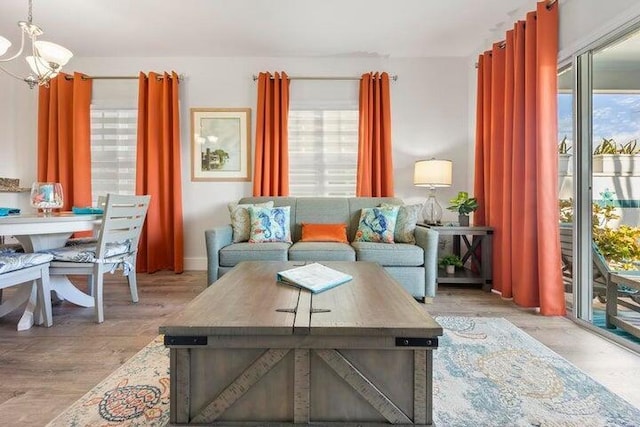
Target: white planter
{"points": [[617, 163], [451, 269], [564, 164]]}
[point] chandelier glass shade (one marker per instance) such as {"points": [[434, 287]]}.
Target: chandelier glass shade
{"points": [[45, 60]]}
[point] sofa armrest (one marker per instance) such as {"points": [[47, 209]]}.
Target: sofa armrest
{"points": [[427, 239], [216, 239]]}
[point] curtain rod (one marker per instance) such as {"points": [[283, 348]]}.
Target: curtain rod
{"points": [[181, 77], [393, 78], [503, 43]]}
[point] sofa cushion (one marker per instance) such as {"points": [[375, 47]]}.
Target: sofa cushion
{"points": [[396, 254], [406, 223], [237, 252], [319, 210], [321, 251], [270, 224], [278, 201], [377, 224], [324, 233], [240, 220], [355, 210]]}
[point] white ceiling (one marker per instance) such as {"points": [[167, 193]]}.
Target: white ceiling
{"points": [[264, 28]]}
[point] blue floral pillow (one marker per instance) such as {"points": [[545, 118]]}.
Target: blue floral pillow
{"points": [[377, 224], [270, 224]]}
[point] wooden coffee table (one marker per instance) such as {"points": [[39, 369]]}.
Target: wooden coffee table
{"points": [[250, 350]]}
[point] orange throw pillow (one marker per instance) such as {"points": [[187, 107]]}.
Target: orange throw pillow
{"points": [[324, 233]]}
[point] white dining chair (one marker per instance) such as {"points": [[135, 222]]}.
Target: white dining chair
{"points": [[116, 247], [20, 268], [102, 201]]}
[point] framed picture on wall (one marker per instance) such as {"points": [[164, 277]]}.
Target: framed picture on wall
{"points": [[220, 144]]}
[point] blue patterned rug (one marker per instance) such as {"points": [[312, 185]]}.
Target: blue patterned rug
{"points": [[487, 372]]}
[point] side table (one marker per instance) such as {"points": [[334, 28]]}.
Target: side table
{"points": [[481, 266]]}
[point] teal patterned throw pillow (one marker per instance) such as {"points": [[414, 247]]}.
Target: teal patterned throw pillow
{"points": [[377, 224], [406, 222], [270, 224]]}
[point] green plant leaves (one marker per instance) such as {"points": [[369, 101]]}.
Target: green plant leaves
{"points": [[620, 246], [609, 146], [450, 259], [463, 204], [564, 147]]}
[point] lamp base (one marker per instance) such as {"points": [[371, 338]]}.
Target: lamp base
{"points": [[432, 211]]}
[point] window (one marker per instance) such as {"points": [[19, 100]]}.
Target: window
{"points": [[323, 152], [615, 115], [113, 151], [323, 138]]}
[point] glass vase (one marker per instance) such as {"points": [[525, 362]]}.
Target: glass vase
{"points": [[47, 196]]}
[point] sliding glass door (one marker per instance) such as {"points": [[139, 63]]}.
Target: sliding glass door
{"points": [[599, 131], [565, 178]]}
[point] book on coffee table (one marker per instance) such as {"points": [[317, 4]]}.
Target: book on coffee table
{"points": [[314, 277]]}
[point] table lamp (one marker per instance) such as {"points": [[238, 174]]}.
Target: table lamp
{"points": [[432, 173]]}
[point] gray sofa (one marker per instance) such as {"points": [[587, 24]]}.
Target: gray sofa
{"points": [[414, 266]]}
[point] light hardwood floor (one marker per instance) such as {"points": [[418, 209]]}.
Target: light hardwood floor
{"points": [[44, 370]]}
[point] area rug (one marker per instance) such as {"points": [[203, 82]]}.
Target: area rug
{"points": [[487, 372]]}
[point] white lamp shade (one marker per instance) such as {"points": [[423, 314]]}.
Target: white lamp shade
{"points": [[40, 67], [4, 45], [52, 52], [432, 173]]}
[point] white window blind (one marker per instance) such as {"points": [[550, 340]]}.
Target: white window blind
{"points": [[113, 151], [323, 138]]}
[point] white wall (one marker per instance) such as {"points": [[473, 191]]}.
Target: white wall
{"points": [[17, 136], [584, 21], [429, 112]]}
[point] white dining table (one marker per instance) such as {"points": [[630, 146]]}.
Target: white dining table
{"points": [[37, 232]]}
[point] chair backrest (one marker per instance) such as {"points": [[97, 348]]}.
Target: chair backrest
{"points": [[600, 266], [566, 248], [122, 221]]}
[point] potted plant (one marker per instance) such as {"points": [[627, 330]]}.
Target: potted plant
{"points": [[564, 157], [464, 205], [613, 158], [450, 262]]}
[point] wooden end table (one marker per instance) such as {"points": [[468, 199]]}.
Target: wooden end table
{"points": [[481, 266]]}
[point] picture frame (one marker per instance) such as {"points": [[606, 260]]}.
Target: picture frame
{"points": [[220, 144]]}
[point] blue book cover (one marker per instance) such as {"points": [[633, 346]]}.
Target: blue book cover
{"points": [[314, 277]]}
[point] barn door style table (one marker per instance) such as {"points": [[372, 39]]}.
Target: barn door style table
{"points": [[250, 350]]}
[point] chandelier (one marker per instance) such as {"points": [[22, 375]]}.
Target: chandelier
{"points": [[46, 59]]}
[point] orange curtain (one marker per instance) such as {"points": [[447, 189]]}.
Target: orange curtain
{"points": [[64, 137], [158, 173], [375, 164], [516, 166], [271, 165]]}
